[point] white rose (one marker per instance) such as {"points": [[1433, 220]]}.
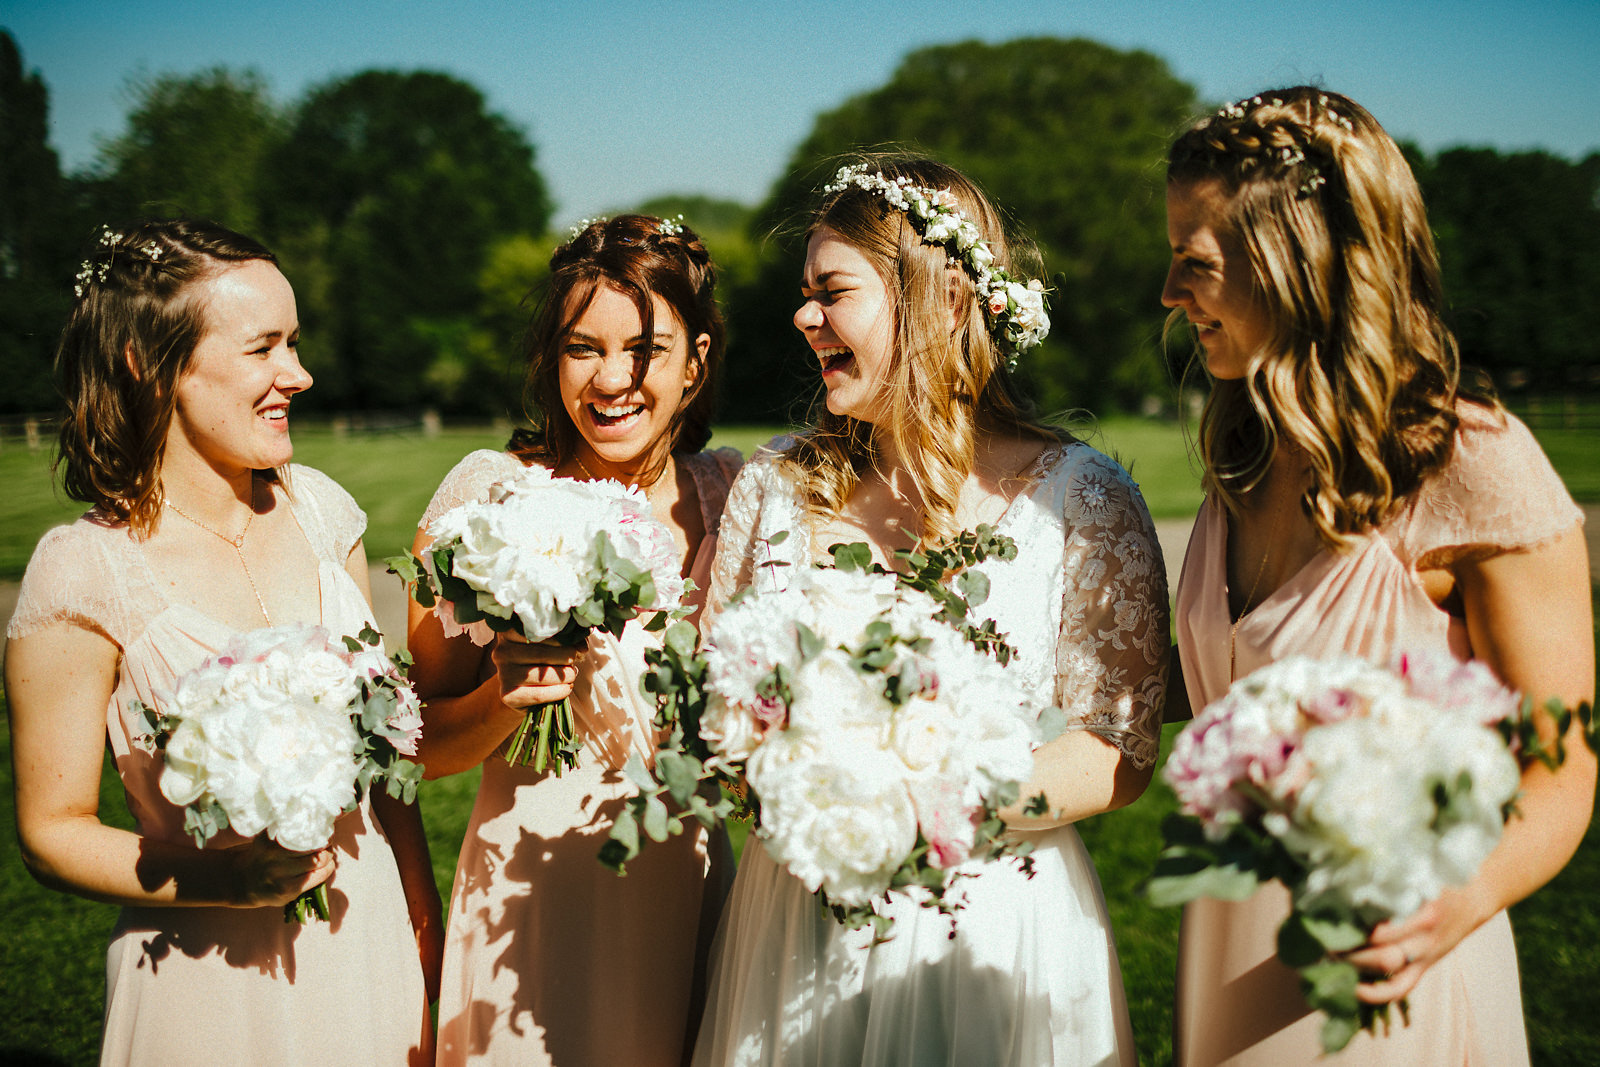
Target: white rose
{"points": [[828, 693]]}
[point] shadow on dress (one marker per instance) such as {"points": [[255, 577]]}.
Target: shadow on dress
{"points": [[550, 903]]}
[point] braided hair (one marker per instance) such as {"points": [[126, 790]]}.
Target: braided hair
{"points": [[642, 257], [130, 337], [1359, 371]]}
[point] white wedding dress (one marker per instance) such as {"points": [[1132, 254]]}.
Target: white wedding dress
{"points": [[1030, 974]]}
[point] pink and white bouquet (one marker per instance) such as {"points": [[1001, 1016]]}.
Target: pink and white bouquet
{"points": [[878, 740], [1365, 791], [282, 732], [551, 559]]}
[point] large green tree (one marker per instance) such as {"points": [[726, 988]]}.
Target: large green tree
{"points": [[1519, 243], [391, 192], [37, 238], [196, 144], [1067, 137]]}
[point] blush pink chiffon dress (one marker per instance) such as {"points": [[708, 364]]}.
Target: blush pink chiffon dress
{"points": [[550, 957], [239, 986], [1236, 1005]]}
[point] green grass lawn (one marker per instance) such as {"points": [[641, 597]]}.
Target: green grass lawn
{"points": [[52, 957]]}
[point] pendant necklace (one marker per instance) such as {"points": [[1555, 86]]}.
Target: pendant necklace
{"points": [[647, 490], [1233, 630], [237, 542]]}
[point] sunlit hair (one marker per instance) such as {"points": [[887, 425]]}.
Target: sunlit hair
{"points": [[640, 257], [1359, 370], [943, 388], [129, 338]]}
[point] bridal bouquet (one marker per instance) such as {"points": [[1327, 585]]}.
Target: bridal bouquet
{"points": [[552, 559], [281, 733], [1365, 791], [878, 736]]}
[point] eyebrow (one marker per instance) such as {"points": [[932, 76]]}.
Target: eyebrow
{"points": [[271, 335], [826, 276], [579, 335]]}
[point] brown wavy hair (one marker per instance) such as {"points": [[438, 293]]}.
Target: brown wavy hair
{"points": [[944, 388], [640, 257], [129, 338], [1360, 370]]}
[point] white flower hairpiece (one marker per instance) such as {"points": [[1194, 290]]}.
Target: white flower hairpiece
{"points": [[90, 271], [670, 227], [1016, 309], [1291, 155], [584, 224]]}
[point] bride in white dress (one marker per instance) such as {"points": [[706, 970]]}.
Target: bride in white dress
{"points": [[909, 328]]}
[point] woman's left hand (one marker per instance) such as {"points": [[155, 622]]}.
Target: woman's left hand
{"points": [[1399, 953]]}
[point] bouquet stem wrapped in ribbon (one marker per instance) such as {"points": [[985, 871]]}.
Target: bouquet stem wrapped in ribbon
{"points": [[1365, 791], [282, 732], [878, 734], [551, 559]]}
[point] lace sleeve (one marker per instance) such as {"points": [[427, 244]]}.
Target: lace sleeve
{"points": [[1497, 494], [70, 579], [338, 520], [760, 505], [470, 480], [1111, 651]]}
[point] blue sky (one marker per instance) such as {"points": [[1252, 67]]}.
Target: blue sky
{"points": [[625, 100]]}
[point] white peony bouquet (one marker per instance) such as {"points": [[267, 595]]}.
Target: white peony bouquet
{"points": [[281, 733], [552, 559], [1365, 791], [878, 737]]}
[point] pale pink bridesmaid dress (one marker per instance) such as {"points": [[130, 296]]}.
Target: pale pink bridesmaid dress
{"points": [[239, 986], [550, 958], [1237, 1006]]}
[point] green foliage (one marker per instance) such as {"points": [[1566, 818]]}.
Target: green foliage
{"points": [[403, 183], [197, 144], [1519, 246], [38, 238], [1067, 137]]}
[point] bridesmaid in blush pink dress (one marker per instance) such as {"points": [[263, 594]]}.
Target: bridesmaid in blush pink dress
{"points": [[550, 957], [1359, 501], [179, 364]]}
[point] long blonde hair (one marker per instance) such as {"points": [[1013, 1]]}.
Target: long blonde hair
{"points": [[1360, 371], [944, 387]]}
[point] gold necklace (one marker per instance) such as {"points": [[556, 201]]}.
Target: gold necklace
{"points": [[1233, 630], [648, 490], [236, 542]]}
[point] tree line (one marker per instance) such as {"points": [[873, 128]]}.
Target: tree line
{"points": [[414, 224]]}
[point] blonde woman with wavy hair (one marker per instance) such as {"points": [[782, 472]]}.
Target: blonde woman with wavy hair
{"points": [[1359, 500], [915, 304]]}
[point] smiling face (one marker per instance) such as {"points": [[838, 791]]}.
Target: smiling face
{"points": [[232, 403], [1210, 279], [848, 320], [622, 390]]}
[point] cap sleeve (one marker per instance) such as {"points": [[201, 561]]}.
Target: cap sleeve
{"points": [[1497, 494], [469, 481], [714, 473], [330, 516], [71, 578]]}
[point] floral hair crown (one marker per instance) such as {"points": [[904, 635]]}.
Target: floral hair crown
{"points": [[90, 271], [1291, 155], [1016, 309], [665, 227]]}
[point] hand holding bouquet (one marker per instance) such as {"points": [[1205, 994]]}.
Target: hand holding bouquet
{"points": [[551, 559], [1365, 791], [281, 733], [878, 737]]}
